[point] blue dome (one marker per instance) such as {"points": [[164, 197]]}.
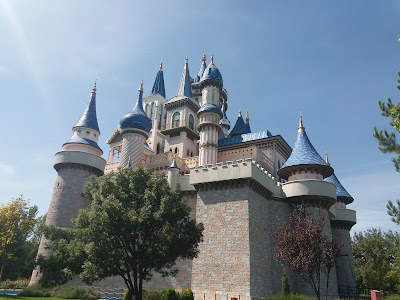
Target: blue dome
{"points": [[210, 107], [341, 192], [136, 118], [212, 73]]}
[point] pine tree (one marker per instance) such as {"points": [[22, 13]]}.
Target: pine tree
{"points": [[388, 144]]}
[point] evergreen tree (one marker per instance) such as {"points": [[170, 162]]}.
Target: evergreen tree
{"points": [[388, 144]]}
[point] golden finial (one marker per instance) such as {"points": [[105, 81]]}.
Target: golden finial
{"points": [[160, 69], [327, 158], [301, 127], [212, 60], [247, 117], [141, 85]]}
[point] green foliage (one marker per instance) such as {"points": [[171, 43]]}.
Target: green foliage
{"points": [[17, 220], [152, 295], [64, 292], [377, 258], [392, 297], [185, 294], [73, 292], [128, 295], [169, 294], [35, 290], [135, 225], [285, 284], [21, 283], [289, 297], [393, 210]]}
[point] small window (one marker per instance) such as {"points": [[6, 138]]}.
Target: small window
{"points": [[176, 150], [176, 117], [187, 152], [87, 132], [191, 122], [158, 148]]}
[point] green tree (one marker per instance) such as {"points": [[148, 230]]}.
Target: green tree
{"points": [[135, 225], [376, 255], [388, 144], [17, 220]]}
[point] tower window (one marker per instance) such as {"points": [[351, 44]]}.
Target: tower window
{"points": [[176, 117], [158, 148], [191, 122], [176, 150]]}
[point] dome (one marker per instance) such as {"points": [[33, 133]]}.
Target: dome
{"points": [[136, 118], [212, 73], [210, 107]]}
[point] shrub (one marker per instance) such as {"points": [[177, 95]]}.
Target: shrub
{"points": [[186, 295], [35, 290], [285, 285], [73, 292], [128, 295], [152, 295], [393, 297], [169, 294]]}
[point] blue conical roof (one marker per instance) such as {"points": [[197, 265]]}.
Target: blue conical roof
{"points": [[158, 86], [341, 192], [185, 85], [89, 118], [202, 69], [240, 127], [174, 165], [212, 73], [304, 154], [136, 118]]}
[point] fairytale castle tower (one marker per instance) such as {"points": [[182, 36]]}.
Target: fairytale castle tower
{"points": [[240, 184], [79, 159]]}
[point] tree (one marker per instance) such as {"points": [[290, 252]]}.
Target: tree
{"points": [[388, 144], [135, 225], [17, 220], [376, 255], [302, 245]]}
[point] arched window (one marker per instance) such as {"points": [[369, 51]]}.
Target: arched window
{"points": [[176, 150], [191, 121], [176, 119]]}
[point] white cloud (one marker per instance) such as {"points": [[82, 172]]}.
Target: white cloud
{"points": [[6, 168]]}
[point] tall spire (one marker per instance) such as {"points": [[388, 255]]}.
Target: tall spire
{"points": [[89, 118], [158, 86], [301, 127], [185, 85], [202, 67], [248, 130]]}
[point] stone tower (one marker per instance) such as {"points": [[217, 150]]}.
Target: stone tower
{"points": [[79, 159], [210, 115], [134, 128], [304, 171], [344, 219]]}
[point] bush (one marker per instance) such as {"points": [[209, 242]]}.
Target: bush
{"points": [[73, 292], [152, 295], [285, 285], [128, 295], [392, 297], [290, 297], [169, 294], [35, 290], [186, 295]]}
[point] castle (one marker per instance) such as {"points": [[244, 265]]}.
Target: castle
{"points": [[240, 184]]}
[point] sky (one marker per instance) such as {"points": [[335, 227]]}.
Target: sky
{"points": [[333, 60]]}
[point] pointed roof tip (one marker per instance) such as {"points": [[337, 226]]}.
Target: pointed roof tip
{"points": [[141, 85], [174, 165], [94, 86], [301, 127], [158, 85], [89, 118], [203, 58], [327, 158], [240, 112], [212, 60], [247, 117], [160, 68], [185, 84]]}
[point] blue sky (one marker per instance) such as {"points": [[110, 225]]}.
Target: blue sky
{"points": [[333, 60]]}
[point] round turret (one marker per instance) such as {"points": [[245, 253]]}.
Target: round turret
{"points": [[136, 118], [212, 74]]}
